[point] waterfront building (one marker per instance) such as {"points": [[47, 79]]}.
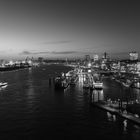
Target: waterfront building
{"points": [[115, 66], [138, 66], [105, 57], [132, 67], [30, 62], [95, 57], [133, 56], [2, 62], [103, 65], [123, 69], [87, 58], [40, 59], [105, 62]]}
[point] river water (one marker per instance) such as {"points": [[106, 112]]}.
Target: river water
{"points": [[31, 108]]}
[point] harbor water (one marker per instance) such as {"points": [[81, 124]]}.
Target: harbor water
{"points": [[30, 107]]}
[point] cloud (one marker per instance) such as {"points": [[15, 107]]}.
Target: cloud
{"points": [[46, 52], [55, 42], [65, 52], [25, 53], [32, 53]]}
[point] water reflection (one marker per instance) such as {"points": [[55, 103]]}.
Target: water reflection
{"points": [[111, 117], [114, 117], [30, 90], [97, 95], [137, 95], [81, 79], [125, 125], [50, 111]]}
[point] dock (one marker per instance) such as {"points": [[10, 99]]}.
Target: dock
{"points": [[108, 106], [127, 116]]}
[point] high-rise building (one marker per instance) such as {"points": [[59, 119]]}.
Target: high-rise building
{"points": [[133, 56], [105, 57], [87, 57], [138, 66], [95, 57]]}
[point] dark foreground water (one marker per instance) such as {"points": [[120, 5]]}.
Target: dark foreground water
{"points": [[31, 108]]}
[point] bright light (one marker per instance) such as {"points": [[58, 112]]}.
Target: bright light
{"points": [[29, 61], [11, 62], [89, 70], [23, 61], [89, 64]]}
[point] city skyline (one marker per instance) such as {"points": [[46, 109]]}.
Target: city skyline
{"points": [[68, 28]]}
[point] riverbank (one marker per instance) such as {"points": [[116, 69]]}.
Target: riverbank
{"points": [[3, 69], [118, 111]]}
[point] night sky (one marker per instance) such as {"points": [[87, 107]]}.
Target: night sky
{"points": [[68, 28]]}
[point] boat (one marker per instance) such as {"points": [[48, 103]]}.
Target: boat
{"points": [[97, 81], [61, 83], [86, 84], [98, 85], [73, 80]]}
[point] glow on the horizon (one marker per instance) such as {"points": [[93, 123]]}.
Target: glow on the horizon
{"points": [[42, 27]]}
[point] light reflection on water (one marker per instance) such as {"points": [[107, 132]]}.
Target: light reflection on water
{"points": [[30, 107], [97, 95]]}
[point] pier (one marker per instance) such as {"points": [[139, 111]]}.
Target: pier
{"points": [[117, 108], [118, 112]]}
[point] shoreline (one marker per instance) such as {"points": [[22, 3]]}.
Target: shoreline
{"points": [[8, 69], [126, 115]]}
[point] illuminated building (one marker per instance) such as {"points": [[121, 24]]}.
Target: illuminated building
{"points": [[133, 55], [87, 58], [138, 66], [95, 57]]}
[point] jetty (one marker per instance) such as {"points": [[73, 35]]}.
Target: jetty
{"points": [[117, 111]]}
